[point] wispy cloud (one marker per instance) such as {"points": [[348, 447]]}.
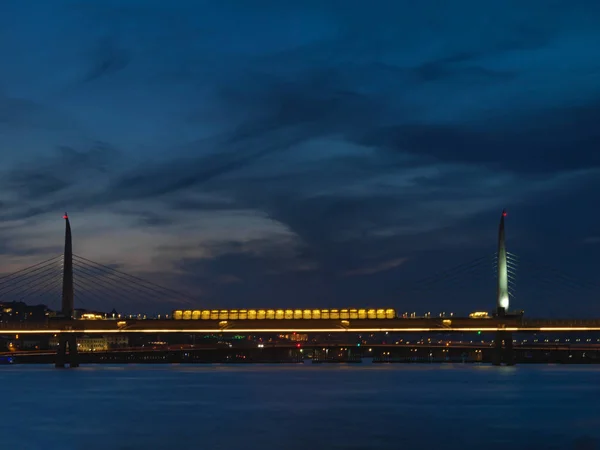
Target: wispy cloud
{"points": [[330, 143], [380, 267]]}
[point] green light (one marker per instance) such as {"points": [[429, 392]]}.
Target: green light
{"points": [[358, 345], [479, 332]]}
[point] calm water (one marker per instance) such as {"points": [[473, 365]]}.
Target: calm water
{"points": [[300, 407]]}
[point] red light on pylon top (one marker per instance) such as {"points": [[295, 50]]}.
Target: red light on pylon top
{"points": [[65, 216], [504, 213]]}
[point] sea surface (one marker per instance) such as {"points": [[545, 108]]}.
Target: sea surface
{"points": [[306, 407]]}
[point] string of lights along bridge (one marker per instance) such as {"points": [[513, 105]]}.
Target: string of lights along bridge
{"points": [[78, 280]]}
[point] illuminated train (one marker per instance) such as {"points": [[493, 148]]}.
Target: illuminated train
{"points": [[283, 314]]}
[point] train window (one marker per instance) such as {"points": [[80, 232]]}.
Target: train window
{"points": [[289, 314]]}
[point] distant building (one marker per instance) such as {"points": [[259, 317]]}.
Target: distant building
{"points": [[92, 316], [88, 315], [21, 312], [117, 341], [28, 343], [294, 337], [96, 343]]}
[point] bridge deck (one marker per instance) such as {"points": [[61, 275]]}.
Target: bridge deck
{"points": [[302, 326]]}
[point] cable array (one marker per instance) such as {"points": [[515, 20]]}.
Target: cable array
{"points": [[39, 283], [456, 277], [539, 285], [101, 284], [106, 287], [94, 284], [512, 262], [542, 286]]}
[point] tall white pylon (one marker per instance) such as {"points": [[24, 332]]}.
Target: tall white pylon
{"points": [[503, 299]]}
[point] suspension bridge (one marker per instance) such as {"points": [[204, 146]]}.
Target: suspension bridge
{"points": [[77, 280]]}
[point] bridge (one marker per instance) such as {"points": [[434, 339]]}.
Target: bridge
{"points": [[67, 327], [397, 325]]}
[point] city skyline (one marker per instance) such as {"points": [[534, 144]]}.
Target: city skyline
{"points": [[286, 156]]}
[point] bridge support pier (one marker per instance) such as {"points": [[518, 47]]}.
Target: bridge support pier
{"points": [[64, 358], [503, 349]]}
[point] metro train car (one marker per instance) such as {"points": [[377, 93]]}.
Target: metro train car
{"points": [[284, 314]]}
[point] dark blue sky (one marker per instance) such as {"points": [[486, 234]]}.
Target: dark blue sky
{"points": [[314, 153]]}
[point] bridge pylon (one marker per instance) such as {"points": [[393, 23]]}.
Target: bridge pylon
{"points": [[503, 342], [67, 341], [68, 294], [502, 299]]}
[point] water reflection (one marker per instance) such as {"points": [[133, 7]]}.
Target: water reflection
{"points": [[300, 407]]}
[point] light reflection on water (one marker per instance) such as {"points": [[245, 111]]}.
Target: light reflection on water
{"points": [[300, 407]]}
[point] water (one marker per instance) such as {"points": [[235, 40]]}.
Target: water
{"points": [[300, 407]]}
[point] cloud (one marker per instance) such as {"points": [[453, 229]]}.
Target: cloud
{"points": [[380, 267], [108, 59], [376, 143], [544, 136], [54, 182]]}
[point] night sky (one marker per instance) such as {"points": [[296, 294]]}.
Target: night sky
{"points": [[311, 154]]}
